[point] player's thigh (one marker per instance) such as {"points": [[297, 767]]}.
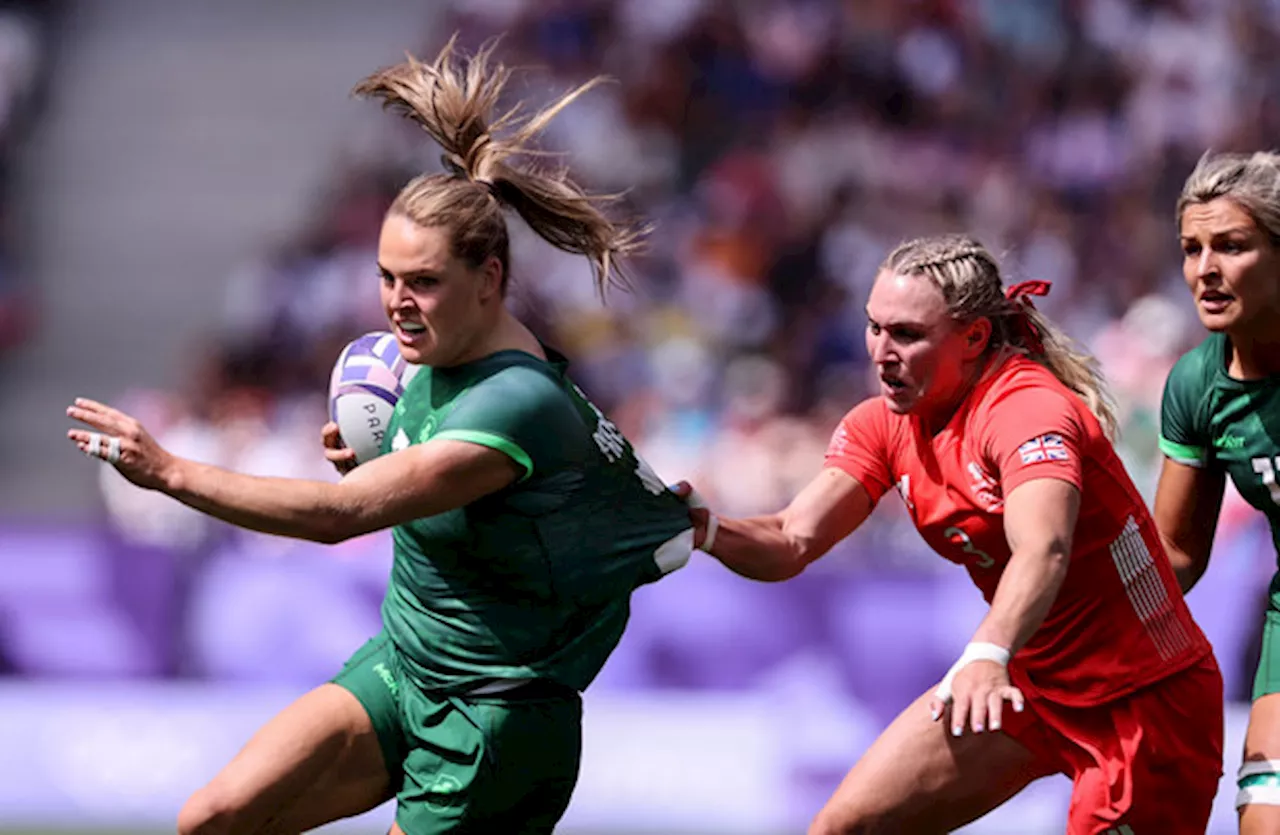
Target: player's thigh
{"points": [[315, 761], [1258, 799], [538, 749], [1155, 758], [489, 766], [918, 778]]}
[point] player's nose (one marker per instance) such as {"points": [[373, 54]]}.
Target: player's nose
{"points": [[878, 348], [1207, 265], [399, 297]]}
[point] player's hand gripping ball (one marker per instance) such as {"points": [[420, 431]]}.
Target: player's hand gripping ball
{"points": [[367, 381]]}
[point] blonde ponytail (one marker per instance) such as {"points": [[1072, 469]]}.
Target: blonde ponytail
{"points": [[454, 101]]}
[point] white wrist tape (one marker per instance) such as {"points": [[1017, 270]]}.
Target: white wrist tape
{"points": [[975, 651], [713, 526], [713, 521]]}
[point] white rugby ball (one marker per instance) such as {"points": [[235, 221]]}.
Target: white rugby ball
{"points": [[367, 381]]}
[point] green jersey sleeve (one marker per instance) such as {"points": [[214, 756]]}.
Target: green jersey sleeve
{"points": [[521, 412], [1185, 434]]}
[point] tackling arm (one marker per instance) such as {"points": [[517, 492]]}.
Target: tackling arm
{"points": [[780, 546]]}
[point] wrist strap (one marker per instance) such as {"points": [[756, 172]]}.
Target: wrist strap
{"points": [[713, 521], [980, 651], [713, 526], [974, 651]]}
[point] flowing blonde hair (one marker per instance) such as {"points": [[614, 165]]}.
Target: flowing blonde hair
{"points": [[453, 99]]}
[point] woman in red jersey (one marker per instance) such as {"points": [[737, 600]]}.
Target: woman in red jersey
{"points": [[994, 432]]}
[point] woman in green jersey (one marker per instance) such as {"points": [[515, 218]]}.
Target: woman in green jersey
{"points": [[522, 519], [1220, 415]]}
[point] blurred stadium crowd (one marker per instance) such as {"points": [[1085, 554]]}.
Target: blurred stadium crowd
{"points": [[781, 149], [24, 64]]}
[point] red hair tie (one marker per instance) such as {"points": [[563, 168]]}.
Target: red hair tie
{"points": [[1028, 288], [1020, 295]]}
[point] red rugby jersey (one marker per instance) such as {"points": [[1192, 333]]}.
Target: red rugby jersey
{"points": [[1119, 621]]}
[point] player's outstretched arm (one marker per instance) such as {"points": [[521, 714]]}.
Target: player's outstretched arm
{"points": [[1188, 502], [780, 546], [1039, 520], [422, 480]]}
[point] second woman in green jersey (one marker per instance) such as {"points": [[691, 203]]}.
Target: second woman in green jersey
{"points": [[1220, 416]]}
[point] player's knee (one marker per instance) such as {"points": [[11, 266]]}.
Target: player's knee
{"points": [[209, 812]]}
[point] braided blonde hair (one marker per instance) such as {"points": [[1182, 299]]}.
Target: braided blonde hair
{"points": [[968, 277]]}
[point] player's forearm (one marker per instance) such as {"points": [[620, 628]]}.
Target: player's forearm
{"points": [[1188, 567], [296, 508], [1028, 587], [759, 548]]}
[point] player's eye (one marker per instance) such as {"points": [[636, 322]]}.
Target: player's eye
{"points": [[906, 335], [873, 328], [1231, 247], [1191, 249]]}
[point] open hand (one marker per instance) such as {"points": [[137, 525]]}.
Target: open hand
{"points": [[978, 693], [121, 441]]}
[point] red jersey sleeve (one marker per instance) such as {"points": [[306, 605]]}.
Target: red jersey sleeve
{"points": [[1035, 432], [860, 446]]}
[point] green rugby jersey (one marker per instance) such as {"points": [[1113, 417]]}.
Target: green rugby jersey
{"points": [[534, 580], [1209, 419]]}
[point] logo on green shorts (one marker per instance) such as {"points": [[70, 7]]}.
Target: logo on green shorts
{"points": [[387, 678], [444, 792]]}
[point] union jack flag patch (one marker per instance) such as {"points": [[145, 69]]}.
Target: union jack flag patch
{"points": [[1044, 448]]}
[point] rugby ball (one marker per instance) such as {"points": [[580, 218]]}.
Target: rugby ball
{"points": [[367, 381]]}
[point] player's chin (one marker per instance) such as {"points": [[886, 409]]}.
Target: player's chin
{"points": [[417, 352], [899, 400], [1217, 322]]}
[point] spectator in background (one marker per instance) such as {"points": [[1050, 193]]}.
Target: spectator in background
{"points": [[24, 68]]}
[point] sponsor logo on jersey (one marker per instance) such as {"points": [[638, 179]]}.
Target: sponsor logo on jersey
{"points": [[400, 441], [1229, 442], [1048, 447], [985, 488], [839, 442], [428, 429]]}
